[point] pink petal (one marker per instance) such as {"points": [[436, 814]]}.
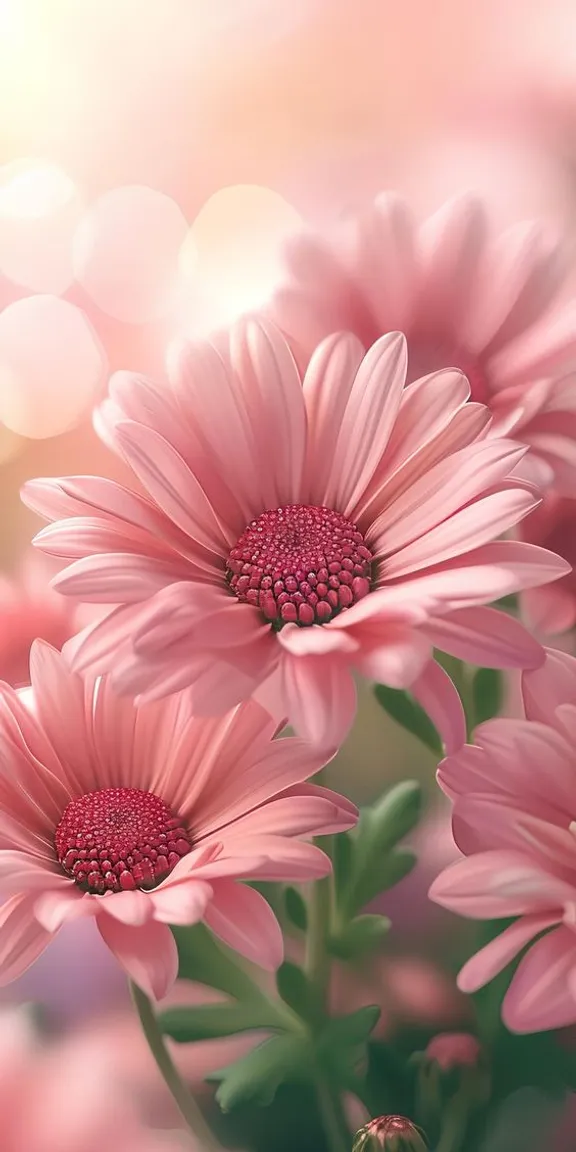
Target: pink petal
{"points": [[71, 496], [118, 577], [496, 955], [53, 909], [451, 243], [327, 386], [541, 994], [181, 903], [176, 490], [427, 407], [204, 614], [280, 858], [505, 822], [519, 281], [490, 885], [386, 254], [545, 351], [147, 953], [132, 908], [442, 491], [435, 692], [549, 610], [237, 784], [527, 564], [320, 697], [485, 636], [401, 469], [217, 435], [319, 640], [305, 809], [243, 919], [397, 657], [470, 528], [544, 688], [361, 436], [22, 939], [103, 645], [271, 390]]}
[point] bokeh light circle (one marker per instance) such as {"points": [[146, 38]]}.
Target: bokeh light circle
{"points": [[231, 260], [126, 253], [40, 208], [52, 366]]}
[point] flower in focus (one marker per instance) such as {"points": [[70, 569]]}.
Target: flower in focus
{"points": [[391, 1133], [513, 794], [483, 303], [29, 608], [553, 609], [297, 533], [145, 817], [454, 1050], [51, 1102]]}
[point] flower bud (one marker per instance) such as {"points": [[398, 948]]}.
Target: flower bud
{"points": [[391, 1133], [452, 1073], [454, 1050]]}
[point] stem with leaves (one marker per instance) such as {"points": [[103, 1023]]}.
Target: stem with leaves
{"points": [[186, 1104]]}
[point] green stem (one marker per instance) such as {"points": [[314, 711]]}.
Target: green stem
{"points": [[454, 1125], [318, 971], [333, 1118], [317, 958], [184, 1101]]}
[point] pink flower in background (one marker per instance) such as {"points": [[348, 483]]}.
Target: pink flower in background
{"points": [[513, 795], [29, 608], [52, 1102], [553, 525], [297, 532], [480, 302], [454, 1050], [148, 817]]}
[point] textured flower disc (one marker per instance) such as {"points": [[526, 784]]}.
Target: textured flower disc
{"points": [[119, 839], [300, 564]]}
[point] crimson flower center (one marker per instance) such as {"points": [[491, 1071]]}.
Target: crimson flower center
{"points": [[300, 564], [119, 839]]}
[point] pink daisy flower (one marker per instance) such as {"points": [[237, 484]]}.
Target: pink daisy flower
{"points": [[553, 609], [484, 303], [145, 817], [296, 533], [513, 794]]}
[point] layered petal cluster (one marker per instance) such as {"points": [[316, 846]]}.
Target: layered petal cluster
{"points": [[465, 296], [146, 817], [514, 796], [52, 1102], [246, 467]]}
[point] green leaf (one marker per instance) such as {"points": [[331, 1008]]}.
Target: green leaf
{"points": [[203, 960], [256, 1077], [353, 1029], [487, 694], [295, 990], [342, 861], [361, 935], [342, 1045], [296, 908], [407, 712], [376, 863], [206, 1021]]}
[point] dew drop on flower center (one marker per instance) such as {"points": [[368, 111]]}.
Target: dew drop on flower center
{"points": [[300, 564], [119, 839]]}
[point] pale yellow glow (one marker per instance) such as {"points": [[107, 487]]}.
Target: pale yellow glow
{"points": [[30, 189], [231, 260]]}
